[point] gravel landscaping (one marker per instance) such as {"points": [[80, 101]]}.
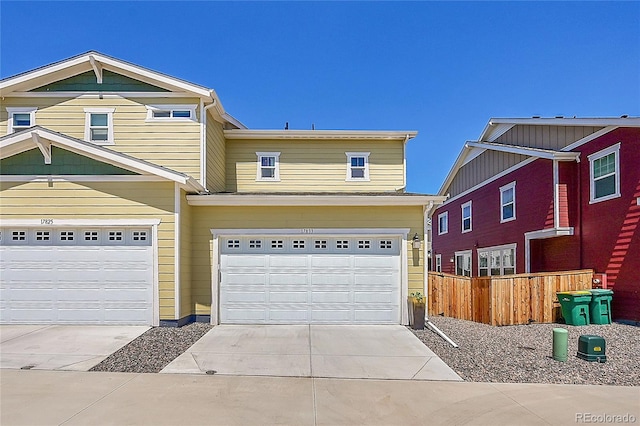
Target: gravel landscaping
{"points": [[153, 350], [523, 353]]}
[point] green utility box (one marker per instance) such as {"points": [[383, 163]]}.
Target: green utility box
{"points": [[575, 306], [600, 306], [591, 348]]}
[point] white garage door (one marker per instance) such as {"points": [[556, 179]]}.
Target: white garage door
{"points": [[301, 279], [76, 276]]}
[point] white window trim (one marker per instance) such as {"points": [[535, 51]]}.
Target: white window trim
{"points": [[467, 253], [496, 248], [438, 265], [276, 174], [468, 203], [444, 215], [595, 156], [350, 155], [171, 108], [504, 188], [20, 110], [87, 125]]}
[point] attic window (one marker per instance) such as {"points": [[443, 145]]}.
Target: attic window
{"points": [[20, 118], [171, 113]]}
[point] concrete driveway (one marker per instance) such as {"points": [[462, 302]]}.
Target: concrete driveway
{"points": [[61, 347], [329, 351]]}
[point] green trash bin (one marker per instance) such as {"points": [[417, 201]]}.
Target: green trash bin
{"points": [[600, 306], [575, 306]]}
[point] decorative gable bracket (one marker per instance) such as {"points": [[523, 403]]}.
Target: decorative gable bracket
{"points": [[43, 146], [97, 68]]}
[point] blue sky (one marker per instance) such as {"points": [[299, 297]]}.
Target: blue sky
{"points": [[441, 68]]}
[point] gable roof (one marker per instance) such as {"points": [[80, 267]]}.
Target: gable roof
{"points": [[96, 62], [498, 126], [43, 139]]}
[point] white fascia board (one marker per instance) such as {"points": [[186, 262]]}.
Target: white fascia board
{"points": [[311, 200], [460, 161], [612, 121], [40, 72], [531, 152], [319, 134], [548, 233]]}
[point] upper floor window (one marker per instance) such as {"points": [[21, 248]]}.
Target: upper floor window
{"points": [[508, 202], [98, 125], [497, 260], [20, 118], [268, 166], [466, 217], [171, 112], [443, 223], [605, 174], [357, 166]]}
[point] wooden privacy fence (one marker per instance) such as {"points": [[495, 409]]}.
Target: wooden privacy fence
{"points": [[503, 300]]}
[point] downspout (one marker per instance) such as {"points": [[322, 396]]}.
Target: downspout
{"points": [[203, 140], [426, 228]]}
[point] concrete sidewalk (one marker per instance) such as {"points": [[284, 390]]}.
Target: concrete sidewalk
{"points": [[79, 398]]}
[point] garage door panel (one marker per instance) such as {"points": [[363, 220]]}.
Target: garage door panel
{"points": [[288, 261], [245, 315], [377, 262], [239, 278], [331, 261], [245, 261], [381, 279], [375, 315], [288, 279], [330, 296], [243, 296], [31, 313], [328, 315], [384, 298], [290, 296], [319, 278], [288, 314]]}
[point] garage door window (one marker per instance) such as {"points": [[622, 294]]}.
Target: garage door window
{"points": [[342, 244], [43, 235], [18, 235], [298, 244], [255, 244], [364, 244], [385, 244], [66, 236], [320, 244], [277, 244]]}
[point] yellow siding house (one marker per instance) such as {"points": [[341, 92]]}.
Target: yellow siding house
{"points": [[132, 197]]}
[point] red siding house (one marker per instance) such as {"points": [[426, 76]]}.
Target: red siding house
{"points": [[542, 195]]}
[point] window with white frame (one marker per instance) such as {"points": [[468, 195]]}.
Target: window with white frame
{"points": [[268, 166], [500, 260], [20, 118], [357, 166], [463, 263], [604, 169], [508, 202], [443, 223], [466, 217], [171, 112], [98, 126], [438, 263]]}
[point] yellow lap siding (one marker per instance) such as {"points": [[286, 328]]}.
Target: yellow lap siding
{"points": [[216, 152], [314, 165], [102, 200], [206, 218], [171, 144]]}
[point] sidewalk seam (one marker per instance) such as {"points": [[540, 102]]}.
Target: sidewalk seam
{"points": [[518, 403], [99, 399]]}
